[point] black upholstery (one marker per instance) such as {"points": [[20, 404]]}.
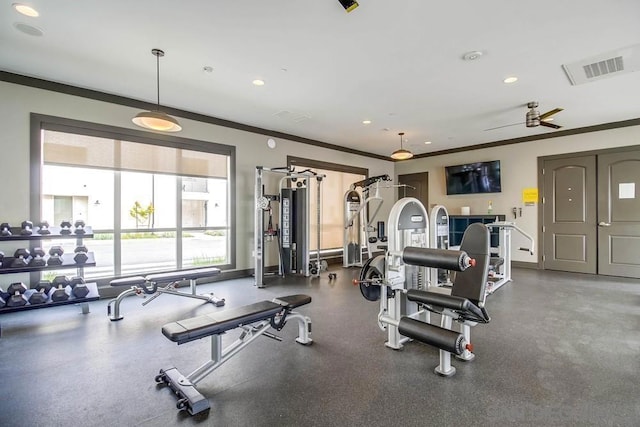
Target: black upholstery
{"points": [[183, 275], [471, 283], [198, 327], [173, 276], [128, 281], [468, 291], [293, 301], [438, 299]]}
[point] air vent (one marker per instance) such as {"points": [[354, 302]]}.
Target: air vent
{"points": [[601, 68], [606, 65], [292, 117]]}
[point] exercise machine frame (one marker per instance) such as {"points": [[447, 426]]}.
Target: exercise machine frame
{"points": [[282, 231], [501, 273], [150, 286]]}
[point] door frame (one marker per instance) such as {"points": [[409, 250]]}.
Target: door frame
{"points": [[542, 191]]}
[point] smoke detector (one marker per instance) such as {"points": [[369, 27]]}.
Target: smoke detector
{"points": [[472, 56]]}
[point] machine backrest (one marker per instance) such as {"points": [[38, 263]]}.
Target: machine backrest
{"points": [[471, 283]]}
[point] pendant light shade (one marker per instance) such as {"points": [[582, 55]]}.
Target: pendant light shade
{"points": [[401, 154], [156, 119]]}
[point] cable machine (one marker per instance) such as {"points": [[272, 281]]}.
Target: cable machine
{"points": [[358, 219], [292, 234]]}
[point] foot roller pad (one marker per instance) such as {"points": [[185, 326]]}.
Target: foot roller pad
{"points": [[184, 389]]}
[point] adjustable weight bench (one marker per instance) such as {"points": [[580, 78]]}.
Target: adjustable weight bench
{"points": [[150, 285], [254, 320]]}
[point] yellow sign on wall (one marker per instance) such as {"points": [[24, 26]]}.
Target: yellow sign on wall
{"points": [[530, 196]]}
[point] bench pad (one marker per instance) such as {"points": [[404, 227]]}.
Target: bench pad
{"points": [[183, 275], [128, 281], [174, 276], [198, 327]]}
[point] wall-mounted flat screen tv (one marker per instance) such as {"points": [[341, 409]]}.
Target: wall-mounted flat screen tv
{"points": [[472, 178]]}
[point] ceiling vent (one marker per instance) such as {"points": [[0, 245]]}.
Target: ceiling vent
{"points": [[610, 64], [292, 117]]}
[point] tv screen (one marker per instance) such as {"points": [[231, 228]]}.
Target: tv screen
{"points": [[481, 177]]}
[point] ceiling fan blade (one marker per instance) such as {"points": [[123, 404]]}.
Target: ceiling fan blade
{"points": [[504, 126], [549, 125], [550, 113]]}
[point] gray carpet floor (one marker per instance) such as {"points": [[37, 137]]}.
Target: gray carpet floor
{"points": [[562, 349]]}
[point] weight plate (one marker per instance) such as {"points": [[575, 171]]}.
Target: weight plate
{"points": [[372, 269]]}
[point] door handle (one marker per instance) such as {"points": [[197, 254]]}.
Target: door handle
{"points": [[604, 224]]}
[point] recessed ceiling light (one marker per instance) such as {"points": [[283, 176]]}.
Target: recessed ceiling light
{"points": [[258, 82], [366, 122], [25, 10], [511, 79], [427, 142], [207, 69], [28, 29]]}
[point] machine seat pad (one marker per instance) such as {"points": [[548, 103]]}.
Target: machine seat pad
{"points": [[183, 275], [439, 300], [293, 301], [128, 281]]}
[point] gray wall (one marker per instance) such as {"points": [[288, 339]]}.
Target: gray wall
{"points": [[518, 161], [17, 102]]}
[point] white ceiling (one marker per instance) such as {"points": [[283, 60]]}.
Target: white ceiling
{"points": [[397, 63]]}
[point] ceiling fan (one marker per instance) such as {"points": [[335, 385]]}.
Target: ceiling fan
{"points": [[534, 118]]}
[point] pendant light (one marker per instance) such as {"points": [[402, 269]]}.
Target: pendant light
{"points": [[156, 119], [401, 154]]}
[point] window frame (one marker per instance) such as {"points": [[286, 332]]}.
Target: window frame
{"points": [[41, 122]]}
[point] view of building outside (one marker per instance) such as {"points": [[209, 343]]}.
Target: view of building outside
{"points": [[149, 221]]}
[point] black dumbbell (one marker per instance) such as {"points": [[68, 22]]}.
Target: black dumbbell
{"points": [[43, 228], [65, 227], [59, 292], [42, 293], [39, 297], [17, 298], [5, 229], [44, 285], [26, 228], [21, 258], [78, 287], [79, 225], [37, 259], [18, 287], [55, 257], [81, 254]]}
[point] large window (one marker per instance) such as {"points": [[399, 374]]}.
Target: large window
{"points": [[154, 205], [338, 179]]}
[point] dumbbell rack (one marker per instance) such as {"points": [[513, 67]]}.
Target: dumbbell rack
{"points": [[67, 263]]}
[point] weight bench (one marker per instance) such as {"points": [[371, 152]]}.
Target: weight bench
{"points": [[254, 320], [150, 285]]}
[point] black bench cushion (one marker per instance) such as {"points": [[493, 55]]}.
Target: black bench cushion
{"points": [[128, 281], [198, 327], [293, 301], [216, 323], [183, 275]]}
